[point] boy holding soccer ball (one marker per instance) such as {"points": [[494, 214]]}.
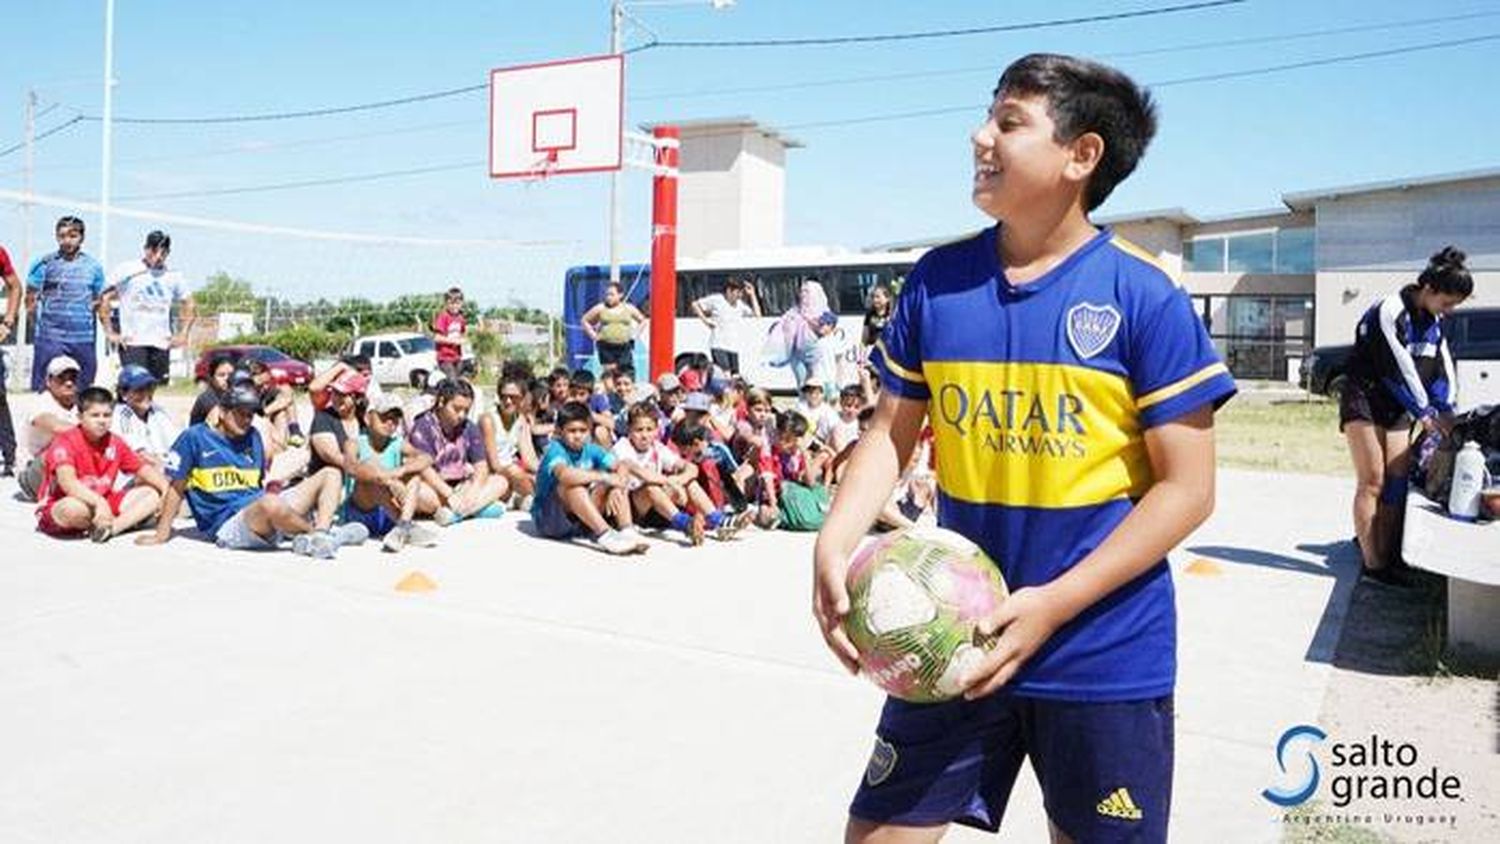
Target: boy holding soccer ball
{"points": [[1074, 438]]}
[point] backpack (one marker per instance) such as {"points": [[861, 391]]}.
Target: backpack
{"points": [[803, 507]]}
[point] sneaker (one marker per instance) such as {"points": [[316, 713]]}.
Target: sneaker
{"points": [[350, 533], [421, 536], [319, 545], [101, 533], [696, 527], [445, 517], [396, 538], [295, 441], [525, 503], [733, 524], [1386, 576], [619, 544]]}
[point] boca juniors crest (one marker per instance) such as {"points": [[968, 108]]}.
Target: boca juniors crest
{"points": [[1091, 328]]}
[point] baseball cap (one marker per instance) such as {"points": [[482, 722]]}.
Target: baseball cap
{"points": [[828, 318], [240, 397], [717, 386], [350, 383], [135, 377], [386, 403], [61, 364], [691, 380], [240, 376], [697, 401], [668, 383]]}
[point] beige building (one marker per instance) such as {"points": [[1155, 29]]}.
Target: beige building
{"points": [[731, 192]]}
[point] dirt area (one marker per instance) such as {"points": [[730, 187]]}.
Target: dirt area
{"points": [[1391, 679], [1281, 431]]}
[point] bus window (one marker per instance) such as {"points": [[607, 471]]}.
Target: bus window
{"points": [[778, 290], [854, 286]]}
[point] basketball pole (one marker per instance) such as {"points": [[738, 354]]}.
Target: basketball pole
{"points": [[667, 141]]}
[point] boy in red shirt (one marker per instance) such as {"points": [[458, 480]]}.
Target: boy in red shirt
{"points": [[79, 495], [448, 329]]}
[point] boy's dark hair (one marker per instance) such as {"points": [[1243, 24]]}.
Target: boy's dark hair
{"points": [[219, 360], [69, 222], [559, 372], [867, 414], [791, 422], [94, 395], [452, 388], [454, 292], [641, 410], [626, 370], [159, 239], [1084, 96], [852, 391], [572, 411], [685, 435], [513, 380], [540, 394], [1447, 274], [519, 370], [582, 379], [356, 361], [810, 385]]}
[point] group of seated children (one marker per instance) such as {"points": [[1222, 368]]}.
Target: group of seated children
{"points": [[594, 460]]}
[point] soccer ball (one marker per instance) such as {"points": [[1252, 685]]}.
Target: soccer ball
{"points": [[916, 598]]}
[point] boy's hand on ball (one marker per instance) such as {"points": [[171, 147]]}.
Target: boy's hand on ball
{"points": [[831, 604], [1024, 622]]}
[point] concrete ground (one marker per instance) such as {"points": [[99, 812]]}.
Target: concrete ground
{"points": [[544, 692]]}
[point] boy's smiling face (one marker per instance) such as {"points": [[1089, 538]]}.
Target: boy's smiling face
{"points": [[1018, 163]]}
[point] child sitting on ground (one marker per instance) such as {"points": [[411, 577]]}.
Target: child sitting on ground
{"points": [[578, 482], [79, 494], [382, 479], [662, 483]]}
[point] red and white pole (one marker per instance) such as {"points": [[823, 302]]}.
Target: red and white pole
{"points": [[664, 251]]}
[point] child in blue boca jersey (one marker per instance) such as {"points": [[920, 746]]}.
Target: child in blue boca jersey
{"points": [[1071, 388]]}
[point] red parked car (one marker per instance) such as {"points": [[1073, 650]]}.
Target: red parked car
{"points": [[285, 369]]}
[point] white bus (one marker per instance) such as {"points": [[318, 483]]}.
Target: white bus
{"points": [[847, 278]]}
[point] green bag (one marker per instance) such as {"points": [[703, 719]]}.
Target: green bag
{"points": [[803, 507]]}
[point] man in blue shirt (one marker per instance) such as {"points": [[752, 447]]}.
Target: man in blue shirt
{"points": [[62, 291], [220, 470]]}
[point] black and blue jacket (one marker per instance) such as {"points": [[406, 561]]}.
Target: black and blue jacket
{"points": [[1401, 348]]}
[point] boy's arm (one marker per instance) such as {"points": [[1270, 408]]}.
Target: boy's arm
{"points": [[1182, 461], [414, 461], [171, 502], [867, 485], [526, 449], [282, 401], [359, 470], [67, 481]]}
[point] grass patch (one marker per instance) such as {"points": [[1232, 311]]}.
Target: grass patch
{"points": [[1282, 436]]}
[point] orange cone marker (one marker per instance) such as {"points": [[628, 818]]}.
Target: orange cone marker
{"points": [[416, 582]]}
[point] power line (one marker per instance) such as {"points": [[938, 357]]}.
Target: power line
{"points": [[47, 134], [856, 39], [944, 33], [295, 115], [990, 68], [337, 180], [1185, 80]]}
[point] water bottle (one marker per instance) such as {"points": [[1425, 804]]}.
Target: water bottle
{"points": [[1468, 482]]}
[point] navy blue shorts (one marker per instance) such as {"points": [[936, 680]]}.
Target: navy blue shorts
{"points": [[379, 521], [553, 520], [47, 348], [1105, 768]]}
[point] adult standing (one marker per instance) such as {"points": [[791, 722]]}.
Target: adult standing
{"points": [[7, 325], [798, 331], [613, 326], [62, 291], [449, 327], [876, 318], [725, 314], [146, 291], [1399, 371]]}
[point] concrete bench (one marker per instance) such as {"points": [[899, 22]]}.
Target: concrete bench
{"points": [[1468, 555]]}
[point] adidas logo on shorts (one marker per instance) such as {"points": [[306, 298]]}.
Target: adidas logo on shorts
{"points": [[1119, 805]]}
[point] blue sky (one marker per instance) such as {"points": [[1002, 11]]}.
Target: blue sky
{"points": [[1224, 146]]}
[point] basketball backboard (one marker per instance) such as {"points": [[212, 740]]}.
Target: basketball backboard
{"points": [[557, 117]]}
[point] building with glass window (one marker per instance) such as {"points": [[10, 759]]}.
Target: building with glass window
{"points": [[1274, 283]]}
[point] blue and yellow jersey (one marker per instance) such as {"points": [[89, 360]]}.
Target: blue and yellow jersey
{"points": [[223, 476], [1039, 395]]}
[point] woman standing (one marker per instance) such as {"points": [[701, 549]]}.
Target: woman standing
{"points": [[1399, 371], [613, 325], [875, 318]]}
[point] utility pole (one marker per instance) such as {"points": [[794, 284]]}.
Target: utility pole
{"points": [[616, 24], [105, 152]]}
